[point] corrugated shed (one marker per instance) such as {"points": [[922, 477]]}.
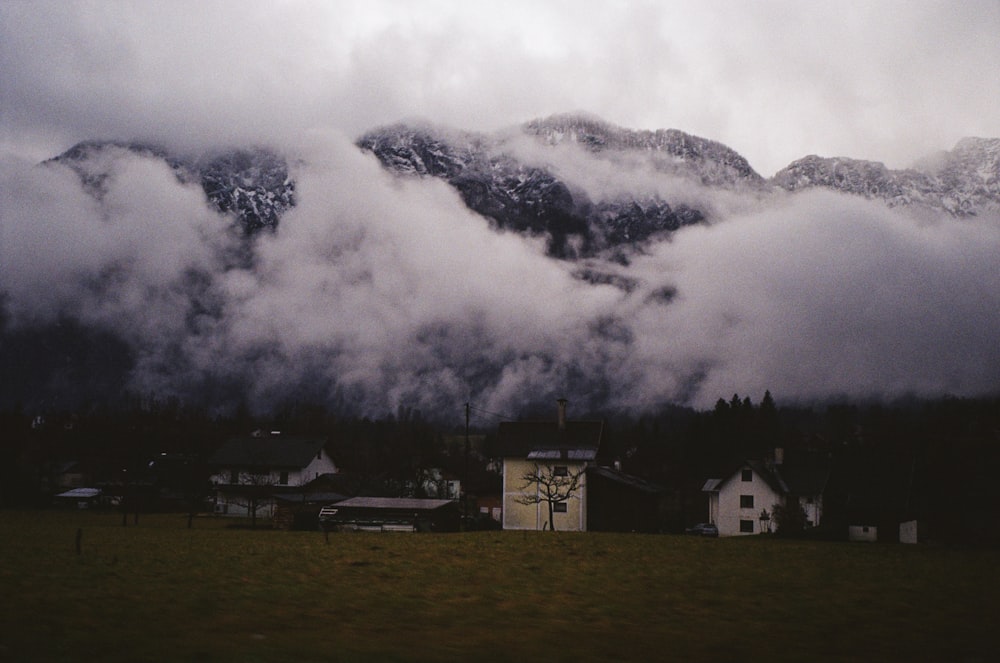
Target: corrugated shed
{"points": [[405, 503]]}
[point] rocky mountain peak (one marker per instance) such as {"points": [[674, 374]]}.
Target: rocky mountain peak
{"points": [[672, 151], [252, 184], [962, 182], [528, 198]]}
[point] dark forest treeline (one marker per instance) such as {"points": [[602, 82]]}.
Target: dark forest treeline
{"points": [[931, 459]]}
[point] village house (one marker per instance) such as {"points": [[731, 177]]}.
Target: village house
{"points": [[250, 471], [551, 480], [743, 501], [544, 471]]}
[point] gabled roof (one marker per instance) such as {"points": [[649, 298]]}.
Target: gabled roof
{"points": [[795, 478], [545, 440], [268, 452], [805, 480]]}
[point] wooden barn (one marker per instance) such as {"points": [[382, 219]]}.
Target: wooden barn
{"points": [[619, 502]]}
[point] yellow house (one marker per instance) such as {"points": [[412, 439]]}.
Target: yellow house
{"points": [[544, 471]]}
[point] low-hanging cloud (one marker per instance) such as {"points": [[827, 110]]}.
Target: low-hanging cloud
{"points": [[379, 291], [827, 295]]}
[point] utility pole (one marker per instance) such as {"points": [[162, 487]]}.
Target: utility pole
{"points": [[465, 479]]}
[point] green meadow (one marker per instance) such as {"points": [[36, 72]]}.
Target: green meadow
{"points": [[158, 591]]}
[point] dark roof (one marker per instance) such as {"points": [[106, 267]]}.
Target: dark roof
{"points": [[624, 479], [769, 473], [807, 478], [579, 440], [268, 452]]}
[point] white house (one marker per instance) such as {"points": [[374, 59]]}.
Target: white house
{"points": [[743, 501], [249, 471], [544, 472]]}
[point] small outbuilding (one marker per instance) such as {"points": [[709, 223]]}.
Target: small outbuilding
{"points": [[80, 498], [392, 514], [620, 502]]}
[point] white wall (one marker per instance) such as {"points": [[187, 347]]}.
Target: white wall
{"points": [[813, 510], [296, 477], [730, 513], [908, 532], [234, 505]]}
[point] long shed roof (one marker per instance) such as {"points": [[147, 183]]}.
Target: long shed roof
{"points": [[407, 503]]}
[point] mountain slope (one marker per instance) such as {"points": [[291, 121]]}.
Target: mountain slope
{"points": [[252, 184], [525, 197], [962, 182]]}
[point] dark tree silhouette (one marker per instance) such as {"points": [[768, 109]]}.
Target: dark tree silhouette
{"points": [[551, 487]]}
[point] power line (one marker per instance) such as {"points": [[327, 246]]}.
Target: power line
{"points": [[502, 417]]}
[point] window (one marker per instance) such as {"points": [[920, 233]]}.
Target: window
{"points": [[747, 475], [746, 527], [560, 471], [746, 501], [283, 478], [559, 507]]}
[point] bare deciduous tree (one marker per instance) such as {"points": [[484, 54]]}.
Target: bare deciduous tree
{"points": [[551, 485], [254, 492]]}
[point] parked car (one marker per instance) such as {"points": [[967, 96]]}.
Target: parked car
{"points": [[703, 529]]}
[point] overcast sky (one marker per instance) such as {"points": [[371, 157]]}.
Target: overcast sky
{"points": [[775, 80], [384, 292]]}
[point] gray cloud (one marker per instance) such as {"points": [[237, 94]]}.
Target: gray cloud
{"points": [[775, 80], [380, 292]]}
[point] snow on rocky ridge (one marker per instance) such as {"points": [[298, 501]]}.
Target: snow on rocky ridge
{"points": [[255, 187]]}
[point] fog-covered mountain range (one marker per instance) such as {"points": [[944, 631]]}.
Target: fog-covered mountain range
{"points": [[423, 266]]}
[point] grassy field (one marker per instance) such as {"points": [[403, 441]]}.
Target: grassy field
{"points": [[161, 592]]}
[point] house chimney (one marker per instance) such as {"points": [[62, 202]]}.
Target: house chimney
{"points": [[779, 455], [562, 413]]}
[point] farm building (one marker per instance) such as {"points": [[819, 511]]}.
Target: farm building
{"points": [[392, 514], [550, 457], [249, 471], [743, 501], [81, 498], [619, 502]]}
